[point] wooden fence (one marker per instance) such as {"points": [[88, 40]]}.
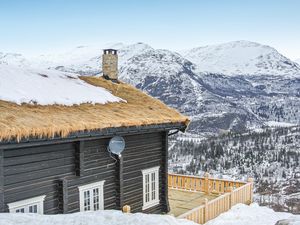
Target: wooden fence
{"points": [[231, 193]]}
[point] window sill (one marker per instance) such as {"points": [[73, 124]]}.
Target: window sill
{"points": [[152, 204]]}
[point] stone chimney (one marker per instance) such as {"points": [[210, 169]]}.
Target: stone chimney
{"points": [[110, 64]]}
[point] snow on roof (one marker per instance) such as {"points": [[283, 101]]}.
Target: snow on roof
{"points": [[47, 121], [251, 215], [48, 87], [105, 217]]}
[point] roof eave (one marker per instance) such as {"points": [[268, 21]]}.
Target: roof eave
{"points": [[89, 135]]}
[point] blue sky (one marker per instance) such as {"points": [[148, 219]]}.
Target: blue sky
{"points": [[37, 26]]}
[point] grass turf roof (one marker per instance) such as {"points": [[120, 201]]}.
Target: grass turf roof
{"points": [[23, 121]]}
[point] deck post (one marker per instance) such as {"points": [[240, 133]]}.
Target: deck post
{"points": [[251, 180], [126, 209], [206, 210], [206, 183], [231, 196]]}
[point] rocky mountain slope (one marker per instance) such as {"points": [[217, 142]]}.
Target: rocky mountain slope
{"points": [[233, 86]]}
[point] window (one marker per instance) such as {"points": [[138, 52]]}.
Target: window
{"points": [[31, 205], [150, 187], [91, 196]]}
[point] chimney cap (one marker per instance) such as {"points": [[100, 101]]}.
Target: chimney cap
{"points": [[110, 51]]}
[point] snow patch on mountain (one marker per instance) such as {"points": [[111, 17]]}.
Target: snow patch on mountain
{"points": [[279, 124], [48, 87], [241, 58]]}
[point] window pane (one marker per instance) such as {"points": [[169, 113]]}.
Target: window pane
{"points": [[153, 186], [87, 203], [33, 208], [147, 191], [96, 198], [21, 210]]}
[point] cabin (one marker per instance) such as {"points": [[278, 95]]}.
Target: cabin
{"points": [[57, 158]]}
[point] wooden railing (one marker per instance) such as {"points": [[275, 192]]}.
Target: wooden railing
{"points": [[231, 193], [202, 184]]}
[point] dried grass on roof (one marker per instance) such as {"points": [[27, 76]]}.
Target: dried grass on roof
{"points": [[21, 121]]}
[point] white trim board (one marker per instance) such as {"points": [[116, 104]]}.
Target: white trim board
{"points": [[39, 201]]}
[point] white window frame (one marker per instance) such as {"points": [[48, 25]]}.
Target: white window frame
{"points": [[90, 187], [25, 204], [155, 201]]}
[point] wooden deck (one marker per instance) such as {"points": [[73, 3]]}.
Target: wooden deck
{"points": [[182, 201], [201, 199]]}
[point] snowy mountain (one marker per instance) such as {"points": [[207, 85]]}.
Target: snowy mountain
{"points": [[216, 102], [14, 59], [241, 58], [297, 61]]}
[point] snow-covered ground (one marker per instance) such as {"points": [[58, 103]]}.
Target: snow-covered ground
{"points": [[238, 215], [107, 217], [47, 87], [252, 215]]}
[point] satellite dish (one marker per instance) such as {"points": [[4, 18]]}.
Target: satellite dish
{"points": [[116, 145]]}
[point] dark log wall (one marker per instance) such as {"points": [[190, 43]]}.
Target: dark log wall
{"points": [[35, 171], [58, 169]]}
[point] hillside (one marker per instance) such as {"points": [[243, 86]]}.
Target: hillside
{"points": [[270, 156]]}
